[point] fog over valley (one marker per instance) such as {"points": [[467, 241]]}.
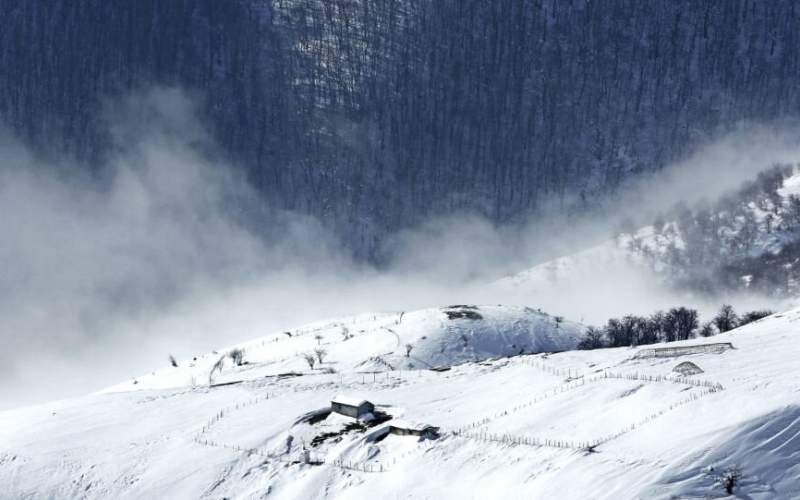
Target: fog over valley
{"points": [[400, 249], [170, 250]]}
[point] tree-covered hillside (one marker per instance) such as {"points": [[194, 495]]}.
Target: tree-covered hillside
{"points": [[747, 240], [373, 114]]}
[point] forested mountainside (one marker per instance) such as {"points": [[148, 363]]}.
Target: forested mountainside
{"points": [[374, 114], [747, 240]]}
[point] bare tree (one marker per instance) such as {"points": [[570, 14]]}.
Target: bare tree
{"points": [[310, 359], [320, 353], [793, 209], [656, 321], [622, 332], [751, 316], [216, 368], [237, 356], [708, 329], [649, 330], [726, 319], [680, 323], [593, 339], [769, 222], [615, 333], [730, 479], [319, 338], [687, 323]]}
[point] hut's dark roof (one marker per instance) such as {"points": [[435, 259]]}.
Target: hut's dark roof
{"points": [[687, 368]]}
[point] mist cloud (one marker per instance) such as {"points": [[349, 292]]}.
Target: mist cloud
{"points": [[169, 250], [713, 170]]}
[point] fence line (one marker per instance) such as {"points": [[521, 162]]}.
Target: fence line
{"points": [[606, 375], [547, 395], [468, 432], [558, 372], [224, 411], [663, 378], [569, 373], [514, 439]]}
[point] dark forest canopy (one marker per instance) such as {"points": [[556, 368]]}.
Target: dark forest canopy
{"points": [[375, 114]]}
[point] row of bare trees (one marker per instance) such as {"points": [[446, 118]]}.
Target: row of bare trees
{"points": [[315, 356], [678, 323]]}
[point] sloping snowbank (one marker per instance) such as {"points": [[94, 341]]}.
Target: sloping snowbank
{"points": [[436, 337], [604, 424]]}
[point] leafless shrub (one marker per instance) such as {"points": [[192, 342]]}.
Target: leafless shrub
{"points": [[310, 359], [237, 356], [730, 479], [216, 368]]}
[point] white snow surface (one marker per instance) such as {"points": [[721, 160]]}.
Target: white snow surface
{"points": [[568, 425], [348, 400], [378, 342]]}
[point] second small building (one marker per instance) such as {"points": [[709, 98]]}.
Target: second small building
{"points": [[404, 428]]}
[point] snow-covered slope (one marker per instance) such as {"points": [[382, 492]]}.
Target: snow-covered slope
{"points": [[436, 337], [581, 267], [610, 423]]}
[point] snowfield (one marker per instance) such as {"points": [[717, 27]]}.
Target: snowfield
{"points": [[426, 338], [574, 424]]}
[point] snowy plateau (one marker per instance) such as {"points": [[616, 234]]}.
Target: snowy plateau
{"points": [[516, 412]]}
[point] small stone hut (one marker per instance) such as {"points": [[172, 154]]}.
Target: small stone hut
{"points": [[351, 406], [687, 368], [404, 428]]}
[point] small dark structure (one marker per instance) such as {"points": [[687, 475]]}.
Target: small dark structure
{"points": [[351, 407], [309, 459], [687, 368], [439, 368], [461, 311], [403, 428]]}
